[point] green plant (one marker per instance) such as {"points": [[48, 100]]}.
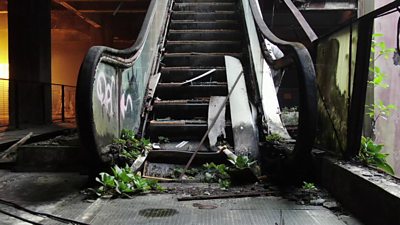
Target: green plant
{"points": [[379, 110], [309, 186], [124, 182], [190, 172], [379, 49], [162, 139], [370, 153], [242, 162], [273, 138], [130, 147], [217, 173]]}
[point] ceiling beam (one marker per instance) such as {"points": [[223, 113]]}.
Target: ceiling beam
{"points": [[79, 14]]}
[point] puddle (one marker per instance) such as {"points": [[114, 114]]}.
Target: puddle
{"points": [[158, 212]]}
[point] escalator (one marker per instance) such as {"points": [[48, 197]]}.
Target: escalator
{"points": [[180, 72]]}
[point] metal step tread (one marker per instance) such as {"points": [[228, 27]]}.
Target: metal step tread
{"points": [[205, 54], [208, 22], [204, 30], [204, 3], [175, 123], [182, 102], [204, 42]]}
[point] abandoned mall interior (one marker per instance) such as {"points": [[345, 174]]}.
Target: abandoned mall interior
{"points": [[276, 112]]}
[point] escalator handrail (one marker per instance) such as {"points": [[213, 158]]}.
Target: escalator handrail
{"points": [[307, 85], [126, 57], [117, 58]]}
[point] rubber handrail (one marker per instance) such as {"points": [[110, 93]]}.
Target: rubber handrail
{"points": [[307, 85]]}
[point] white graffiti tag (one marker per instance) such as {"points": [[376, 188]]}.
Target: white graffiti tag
{"points": [[124, 104], [105, 93]]}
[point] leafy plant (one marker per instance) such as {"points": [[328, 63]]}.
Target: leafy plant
{"points": [[370, 153], [130, 147], [162, 139], [309, 186], [217, 173], [190, 172], [124, 182], [379, 110], [242, 162], [273, 138]]}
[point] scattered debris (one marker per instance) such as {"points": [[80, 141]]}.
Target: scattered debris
{"points": [[14, 147], [204, 206], [181, 144], [156, 146], [330, 205], [221, 196]]}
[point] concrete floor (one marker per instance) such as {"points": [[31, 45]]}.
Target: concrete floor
{"points": [[60, 194]]}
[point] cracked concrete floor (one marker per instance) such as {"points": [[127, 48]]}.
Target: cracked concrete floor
{"points": [[59, 194]]}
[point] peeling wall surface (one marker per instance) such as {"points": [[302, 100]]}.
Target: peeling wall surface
{"points": [[388, 131]]}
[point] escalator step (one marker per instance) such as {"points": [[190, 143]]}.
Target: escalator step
{"points": [[205, 16], [190, 25], [205, 60], [181, 129], [204, 35], [167, 91], [205, 6], [183, 109], [203, 46], [181, 74], [203, 1]]}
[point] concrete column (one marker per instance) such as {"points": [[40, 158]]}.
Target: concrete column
{"points": [[29, 32]]}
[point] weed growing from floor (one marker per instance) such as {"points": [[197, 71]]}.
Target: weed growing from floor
{"points": [[242, 162], [309, 186], [123, 182], [217, 173]]}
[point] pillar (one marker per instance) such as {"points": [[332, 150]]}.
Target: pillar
{"points": [[29, 32]]}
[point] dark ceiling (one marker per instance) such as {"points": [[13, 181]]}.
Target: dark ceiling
{"points": [[110, 22], [117, 22]]}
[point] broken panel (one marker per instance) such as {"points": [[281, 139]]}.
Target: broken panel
{"points": [[336, 56]]}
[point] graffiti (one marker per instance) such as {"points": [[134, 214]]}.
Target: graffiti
{"points": [[124, 104], [105, 93]]}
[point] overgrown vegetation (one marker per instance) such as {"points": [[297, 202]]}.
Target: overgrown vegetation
{"points": [[191, 173], [162, 139], [124, 182], [370, 152], [217, 173], [273, 138], [242, 162], [129, 147], [309, 186]]}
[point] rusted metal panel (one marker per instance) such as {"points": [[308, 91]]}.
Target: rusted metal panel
{"points": [[218, 129], [245, 133]]}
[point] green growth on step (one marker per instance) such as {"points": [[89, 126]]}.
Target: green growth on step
{"points": [[129, 147]]}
